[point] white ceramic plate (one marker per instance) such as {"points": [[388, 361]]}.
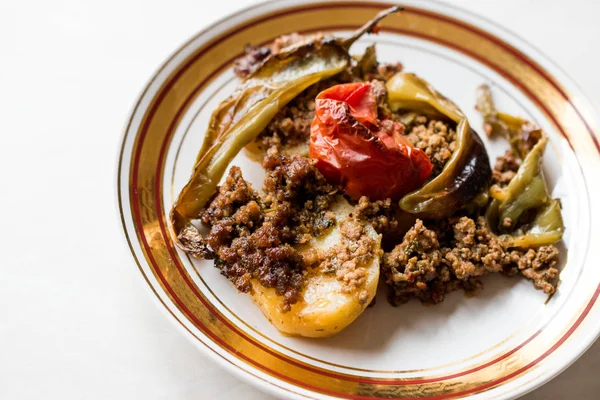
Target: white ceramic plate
{"points": [[500, 344]]}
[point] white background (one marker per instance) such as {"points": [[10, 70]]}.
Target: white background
{"points": [[75, 319]]}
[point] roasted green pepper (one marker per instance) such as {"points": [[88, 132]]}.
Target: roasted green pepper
{"points": [[466, 176], [522, 212], [241, 117]]}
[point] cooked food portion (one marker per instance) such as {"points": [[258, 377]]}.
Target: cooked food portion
{"points": [[515, 234], [339, 284], [254, 56], [429, 263], [307, 263], [242, 116], [436, 138], [386, 217], [369, 171], [253, 237], [289, 131], [521, 209], [362, 153], [465, 177], [505, 169]]}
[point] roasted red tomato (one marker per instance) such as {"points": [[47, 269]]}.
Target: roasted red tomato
{"points": [[367, 156]]}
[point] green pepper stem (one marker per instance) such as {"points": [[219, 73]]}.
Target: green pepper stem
{"points": [[368, 27]]}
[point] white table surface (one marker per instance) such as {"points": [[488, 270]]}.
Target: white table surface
{"points": [[75, 319]]}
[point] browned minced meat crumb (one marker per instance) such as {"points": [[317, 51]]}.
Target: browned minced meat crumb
{"points": [[233, 211], [505, 169], [294, 187], [437, 139], [540, 267], [412, 267], [251, 237], [386, 71], [386, 217], [475, 251], [291, 125], [248, 245], [349, 259], [234, 193], [381, 97], [254, 56], [423, 268]]}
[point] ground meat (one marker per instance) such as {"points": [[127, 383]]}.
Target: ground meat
{"points": [[505, 169], [427, 268], [381, 97], [540, 267], [386, 71], [291, 125], [475, 251], [265, 257], [349, 258], [293, 178], [254, 237], [386, 218], [249, 62], [234, 193], [233, 211], [295, 189], [380, 214], [248, 243], [254, 56], [415, 268], [436, 138]]}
